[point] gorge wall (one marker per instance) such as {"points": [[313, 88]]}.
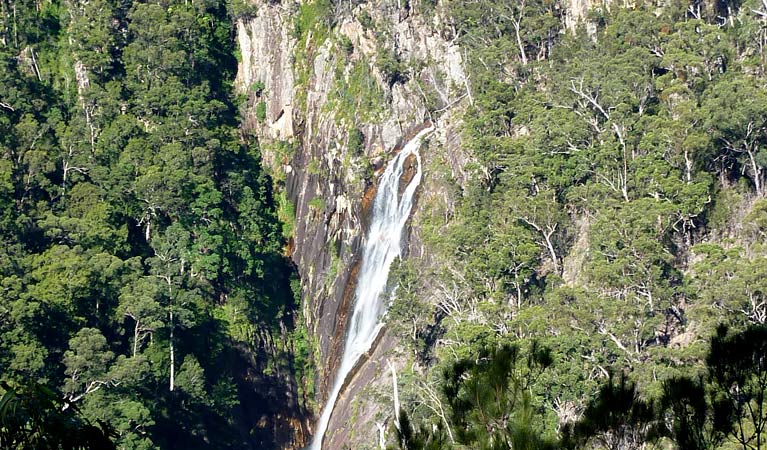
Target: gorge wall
{"points": [[331, 94]]}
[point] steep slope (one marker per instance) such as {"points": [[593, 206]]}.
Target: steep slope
{"points": [[589, 184], [338, 90]]}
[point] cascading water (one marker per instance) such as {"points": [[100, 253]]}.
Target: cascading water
{"points": [[390, 213]]}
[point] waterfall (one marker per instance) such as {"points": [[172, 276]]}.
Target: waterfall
{"points": [[383, 244]]}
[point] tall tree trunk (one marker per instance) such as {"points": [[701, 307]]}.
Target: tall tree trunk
{"points": [[519, 40], [757, 172], [172, 356], [135, 338], [687, 167], [552, 252]]}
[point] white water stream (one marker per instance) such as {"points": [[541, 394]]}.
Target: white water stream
{"points": [[383, 245]]}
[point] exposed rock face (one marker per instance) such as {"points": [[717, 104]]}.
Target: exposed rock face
{"points": [[267, 54], [572, 263], [410, 171], [327, 181]]}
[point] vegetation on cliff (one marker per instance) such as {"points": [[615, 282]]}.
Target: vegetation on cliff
{"points": [[616, 209]]}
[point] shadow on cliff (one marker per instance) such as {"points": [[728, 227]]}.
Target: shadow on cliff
{"points": [[272, 414]]}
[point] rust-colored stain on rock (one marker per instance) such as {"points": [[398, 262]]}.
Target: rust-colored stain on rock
{"points": [[410, 168], [367, 200], [289, 248]]}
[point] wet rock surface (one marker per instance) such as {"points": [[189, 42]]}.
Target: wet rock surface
{"points": [[411, 168], [327, 183]]}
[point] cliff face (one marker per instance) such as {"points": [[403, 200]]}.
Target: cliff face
{"points": [[329, 99], [334, 87]]}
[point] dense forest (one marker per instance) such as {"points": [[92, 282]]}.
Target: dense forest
{"points": [[138, 228], [598, 279], [616, 216]]}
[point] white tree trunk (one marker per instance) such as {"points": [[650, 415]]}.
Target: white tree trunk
{"points": [[395, 390], [553, 253], [757, 173], [519, 41], [135, 338]]}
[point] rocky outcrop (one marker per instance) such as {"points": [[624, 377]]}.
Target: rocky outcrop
{"points": [[326, 156], [266, 74]]}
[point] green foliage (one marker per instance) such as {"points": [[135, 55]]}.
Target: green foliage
{"points": [[422, 438], [261, 111], [310, 29], [316, 204], [392, 67], [490, 401], [335, 265], [312, 17], [490, 397], [346, 44], [142, 239], [409, 317], [731, 281], [304, 350], [241, 9], [737, 369], [366, 21], [258, 87], [314, 167], [616, 418], [694, 413], [602, 158], [729, 406], [33, 417], [356, 143], [696, 423], [138, 230], [286, 213], [359, 97]]}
